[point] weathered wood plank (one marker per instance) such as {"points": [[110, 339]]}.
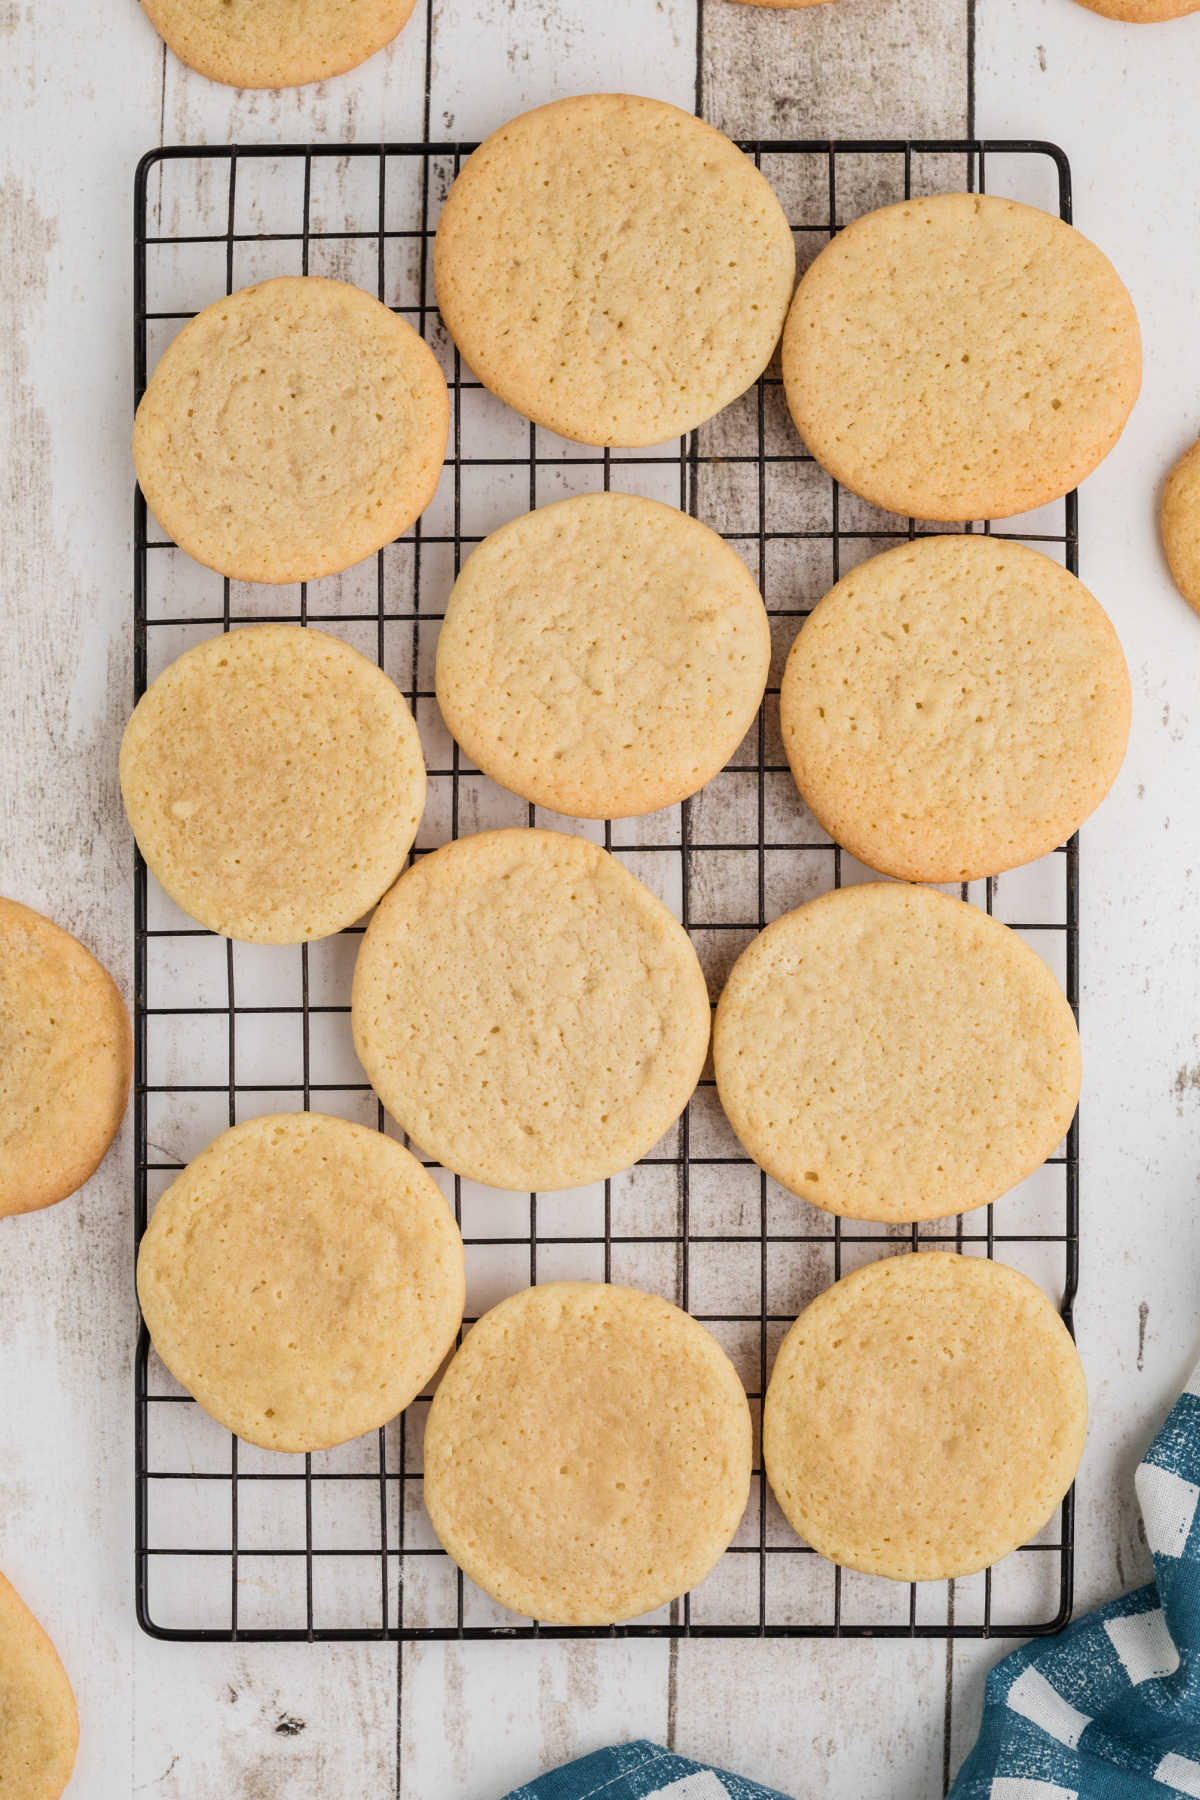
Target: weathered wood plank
{"points": [[853, 68], [478, 1719], [824, 1719]]}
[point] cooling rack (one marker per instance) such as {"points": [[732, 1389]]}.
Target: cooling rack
{"points": [[234, 1543]]}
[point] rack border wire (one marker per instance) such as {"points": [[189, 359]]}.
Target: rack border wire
{"points": [[397, 1558]]}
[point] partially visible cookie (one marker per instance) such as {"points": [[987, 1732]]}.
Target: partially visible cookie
{"points": [[1179, 520], [603, 656], [39, 1726], [290, 430], [275, 43], [613, 268], [274, 782], [529, 1012], [924, 1417], [961, 357], [587, 1456], [955, 707], [1142, 12], [890, 1053], [66, 1056], [303, 1278]]}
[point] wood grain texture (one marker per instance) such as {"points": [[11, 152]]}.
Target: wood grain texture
{"points": [[478, 1719], [856, 68]]}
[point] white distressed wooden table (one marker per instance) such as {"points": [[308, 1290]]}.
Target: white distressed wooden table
{"points": [[82, 94]]}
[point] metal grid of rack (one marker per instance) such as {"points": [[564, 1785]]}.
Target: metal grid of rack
{"points": [[235, 1543]]}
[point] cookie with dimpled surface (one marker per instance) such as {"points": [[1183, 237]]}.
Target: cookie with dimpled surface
{"points": [[961, 357], [273, 779], [890, 1053], [39, 1726], [1142, 12], [924, 1417], [955, 707], [303, 1279], [613, 268], [290, 430], [587, 1455], [529, 1012], [276, 43], [66, 1058], [1179, 522], [603, 656]]}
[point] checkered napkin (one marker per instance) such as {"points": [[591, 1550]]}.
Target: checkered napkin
{"points": [[641, 1771], [1110, 1709]]}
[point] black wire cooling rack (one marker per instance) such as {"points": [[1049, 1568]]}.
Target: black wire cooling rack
{"points": [[235, 1543]]}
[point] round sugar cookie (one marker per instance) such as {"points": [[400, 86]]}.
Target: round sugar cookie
{"points": [[39, 1726], [1179, 521], [66, 1056], [529, 1012], [890, 1053], [303, 1279], [1142, 12], [587, 1456], [290, 430], [924, 1417], [276, 43], [274, 782], [613, 268], [955, 707], [603, 656], [961, 357]]}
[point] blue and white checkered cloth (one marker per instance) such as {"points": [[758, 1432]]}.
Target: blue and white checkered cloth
{"points": [[1108, 1710], [641, 1771]]}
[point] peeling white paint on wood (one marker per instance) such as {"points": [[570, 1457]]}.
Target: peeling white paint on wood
{"points": [[855, 1720]]}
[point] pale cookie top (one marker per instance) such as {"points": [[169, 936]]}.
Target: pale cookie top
{"points": [[964, 357], [603, 656], [528, 1011], [276, 43], [955, 707], [925, 1416], [66, 1055], [39, 1727], [587, 1456], [1142, 12], [613, 268], [890, 1053], [303, 1279], [290, 430], [273, 780], [1180, 524]]}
